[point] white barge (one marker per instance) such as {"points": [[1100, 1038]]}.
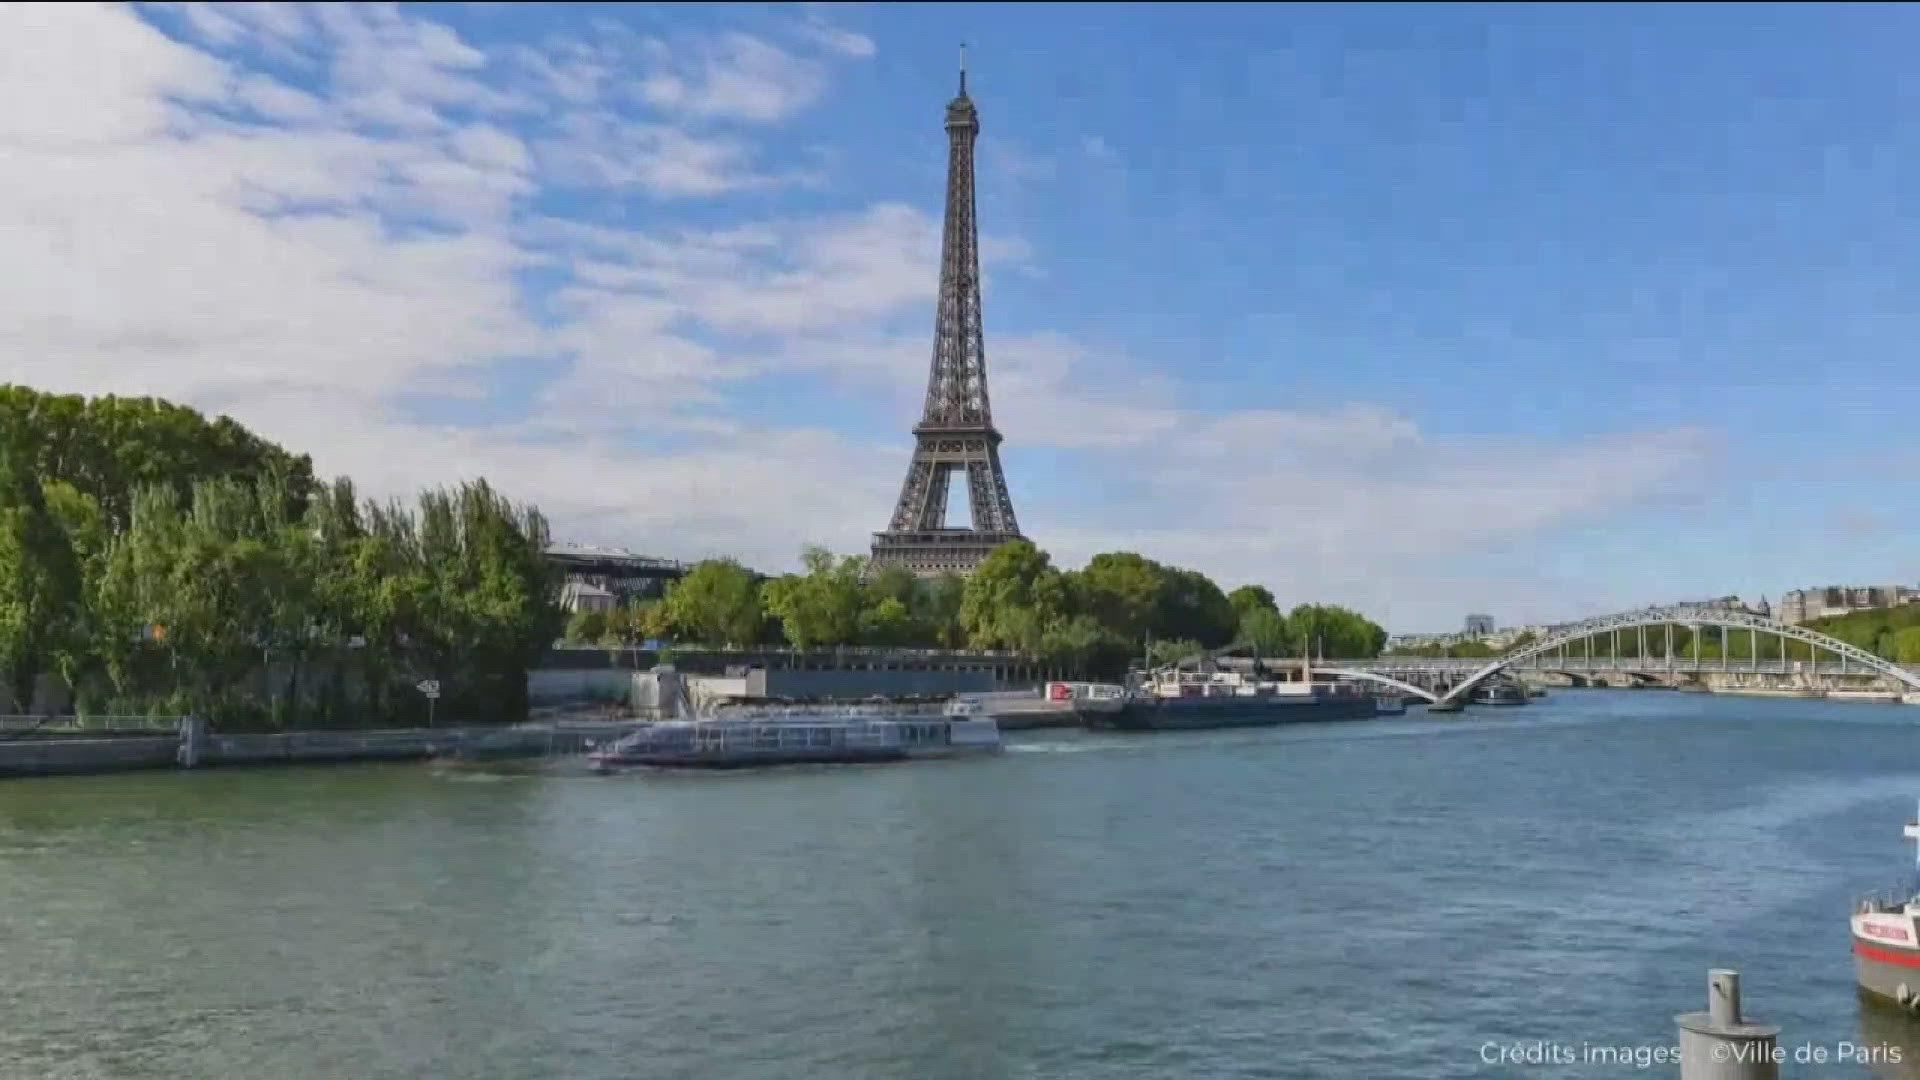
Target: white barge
{"points": [[796, 736]]}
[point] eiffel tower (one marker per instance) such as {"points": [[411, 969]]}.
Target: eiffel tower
{"points": [[956, 431]]}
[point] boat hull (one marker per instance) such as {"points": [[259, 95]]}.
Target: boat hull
{"points": [[1886, 956], [755, 759], [1189, 714]]}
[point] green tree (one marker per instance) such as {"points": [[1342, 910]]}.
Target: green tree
{"points": [[936, 610], [1249, 598], [109, 448], [1192, 606], [896, 582], [40, 585], [1173, 650], [716, 604], [1082, 643], [77, 653], [887, 623], [1265, 630], [823, 606], [586, 627], [1013, 597], [1333, 631], [1123, 591], [629, 625], [202, 558], [1906, 645]]}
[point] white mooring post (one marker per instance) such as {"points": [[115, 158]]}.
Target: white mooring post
{"points": [[193, 740], [1718, 1044]]}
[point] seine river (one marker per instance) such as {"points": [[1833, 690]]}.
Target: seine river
{"points": [[1400, 898]]}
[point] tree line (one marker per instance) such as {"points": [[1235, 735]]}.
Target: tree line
{"points": [[161, 563], [1462, 650], [1120, 607]]}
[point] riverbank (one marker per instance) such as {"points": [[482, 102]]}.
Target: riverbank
{"points": [[192, 746]]}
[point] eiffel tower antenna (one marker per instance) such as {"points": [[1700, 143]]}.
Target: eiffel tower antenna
{"points": [[956, 431]]}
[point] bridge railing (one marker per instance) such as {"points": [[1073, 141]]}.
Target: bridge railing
{"points": [[1650, 664]]}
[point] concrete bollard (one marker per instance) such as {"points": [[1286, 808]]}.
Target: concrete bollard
{"points": [[1718, 1044], [193, 738]]}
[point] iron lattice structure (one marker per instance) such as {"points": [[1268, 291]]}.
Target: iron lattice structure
{"points": [[1691, 617], [956, 430]]}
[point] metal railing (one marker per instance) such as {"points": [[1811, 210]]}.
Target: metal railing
{"points": [[788, 650], [54, 722], [825, 711]]}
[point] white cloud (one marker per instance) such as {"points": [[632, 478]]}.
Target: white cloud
{"points": [[736, 76], [47, 103], [487, 147], [838, 39], [1358, 506], [603, 150]]}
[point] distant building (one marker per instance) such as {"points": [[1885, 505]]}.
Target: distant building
{"points": [[1718, 603], [578, 596], [1511, 636], [1491, 637], [1419, 641], [1479, 624], [1805, 605], [600, 579]]}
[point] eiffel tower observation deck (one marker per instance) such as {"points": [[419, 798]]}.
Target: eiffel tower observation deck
{"points": [[956, 431]]}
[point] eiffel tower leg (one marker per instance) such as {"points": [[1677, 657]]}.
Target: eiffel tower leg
{"points": [[923, 497], [987, 487], [935, 515]]}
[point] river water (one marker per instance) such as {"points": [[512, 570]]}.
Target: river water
{"points": [[1398, 898]]}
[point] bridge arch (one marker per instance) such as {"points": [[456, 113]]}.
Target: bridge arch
{"points": [[1690, 617], [1374, 676]]}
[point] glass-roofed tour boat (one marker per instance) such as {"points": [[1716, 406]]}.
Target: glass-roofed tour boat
{"points": [[786, 736]]}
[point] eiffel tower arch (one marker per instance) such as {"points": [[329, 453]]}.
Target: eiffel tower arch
{"points": [[956, 431]]}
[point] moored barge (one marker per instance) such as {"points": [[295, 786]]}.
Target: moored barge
{"points": [[1174, 700]]}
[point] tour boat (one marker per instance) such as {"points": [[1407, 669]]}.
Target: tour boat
{"points": [[797, 736], [1886, 941]]}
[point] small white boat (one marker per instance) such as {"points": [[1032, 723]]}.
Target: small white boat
{"points": [[1886, 941]]}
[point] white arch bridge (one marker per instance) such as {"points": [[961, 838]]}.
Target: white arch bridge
{"points": [[1466, 674]]}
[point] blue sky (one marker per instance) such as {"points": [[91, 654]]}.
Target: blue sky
{"points": [[1538, 311]]}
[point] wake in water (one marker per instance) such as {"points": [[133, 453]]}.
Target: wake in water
{"points": [[1078, 746]]}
